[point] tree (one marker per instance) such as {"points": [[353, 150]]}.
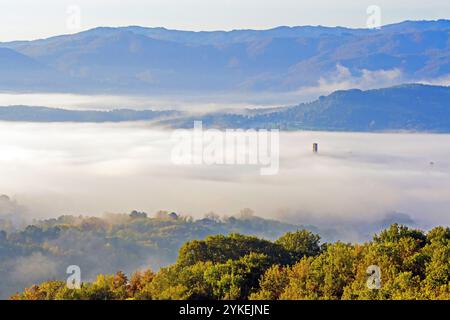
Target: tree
{"points": [[397, 232], [299, 244], [220, 249], [413, 265], [138, 215], [272, 284]]}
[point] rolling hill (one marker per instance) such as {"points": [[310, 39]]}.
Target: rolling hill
{"points": [[413, 107]]}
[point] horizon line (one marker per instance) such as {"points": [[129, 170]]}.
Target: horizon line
{"points": [[227, 30]]}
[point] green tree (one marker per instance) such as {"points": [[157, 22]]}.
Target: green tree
{"points": [[299, 244]]}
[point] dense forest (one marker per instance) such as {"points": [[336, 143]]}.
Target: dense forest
{"points": [[414, 265], [35, 251]]}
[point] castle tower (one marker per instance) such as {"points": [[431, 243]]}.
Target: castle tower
{"points": [[315, 147]]}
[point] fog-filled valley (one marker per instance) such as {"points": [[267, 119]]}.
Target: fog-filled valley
{"points": [[369, 180], [90, 169], [280, 163]]}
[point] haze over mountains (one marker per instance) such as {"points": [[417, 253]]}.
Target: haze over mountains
{"points": [[44, 114], [155, 60], [138, 60], [414, 107]]}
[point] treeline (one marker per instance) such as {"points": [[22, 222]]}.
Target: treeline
{"points": [[44, 249], [413, 264]]}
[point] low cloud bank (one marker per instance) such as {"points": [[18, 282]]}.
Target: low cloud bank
{"points": [[57, 169]]}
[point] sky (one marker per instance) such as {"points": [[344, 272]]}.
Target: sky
{"points": [[31, 19]]}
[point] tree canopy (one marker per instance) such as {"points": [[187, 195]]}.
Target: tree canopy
{"points": [[413, 264]]}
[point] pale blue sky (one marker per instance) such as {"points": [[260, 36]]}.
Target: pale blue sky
{"points": [[31, 19]]}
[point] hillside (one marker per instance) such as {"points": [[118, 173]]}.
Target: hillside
{"points": [[417, 108], [157, 60], [402, 108], [17, 70], [42, 250], [411, 265]]}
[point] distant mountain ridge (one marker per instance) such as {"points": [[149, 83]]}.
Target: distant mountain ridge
{"points": [[138, 59]]}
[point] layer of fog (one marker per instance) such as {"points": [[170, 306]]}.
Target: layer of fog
{"points": [[184, 102], [89, 169], [341, 79]]}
